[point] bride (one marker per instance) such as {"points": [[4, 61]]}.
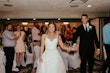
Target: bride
{"points": [[50, 60]]}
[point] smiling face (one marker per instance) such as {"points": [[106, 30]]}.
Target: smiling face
{"points": [[84, 19], [51, 27], [18, 28], [9, 27]]}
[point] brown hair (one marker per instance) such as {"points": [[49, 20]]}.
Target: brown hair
{"points": [[18, 25], [35, 23], [84, 15], [53, 24]]}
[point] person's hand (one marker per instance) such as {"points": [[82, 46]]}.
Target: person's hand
{"points": [[75, 47], [98, 52], [40, 60], [39, 34], [69, 49]]}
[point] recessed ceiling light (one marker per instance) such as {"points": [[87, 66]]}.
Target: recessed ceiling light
{"points": [[46, 23], [65, 23], [24, 23], [34, 18], [59, 18], [8, 18], [89, 6]]}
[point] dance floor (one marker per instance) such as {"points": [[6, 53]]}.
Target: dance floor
{"points": [[97, 69]]}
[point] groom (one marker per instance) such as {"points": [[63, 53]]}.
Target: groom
{"points": [[88, 37]]}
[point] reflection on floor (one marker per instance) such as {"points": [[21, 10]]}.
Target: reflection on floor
{"points": [[97, 69]]}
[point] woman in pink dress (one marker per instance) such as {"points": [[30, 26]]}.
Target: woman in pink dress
{"points": [[20, 46]]}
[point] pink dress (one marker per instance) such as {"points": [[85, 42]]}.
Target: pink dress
{"points": [[20, 45]]}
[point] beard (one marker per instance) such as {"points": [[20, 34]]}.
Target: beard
{"points": [[9, 29]]}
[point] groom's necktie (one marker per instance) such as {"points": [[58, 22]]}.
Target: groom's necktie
{"points": [[86, 28]]}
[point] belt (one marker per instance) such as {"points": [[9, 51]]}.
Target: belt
{"points": [[36, 41]]}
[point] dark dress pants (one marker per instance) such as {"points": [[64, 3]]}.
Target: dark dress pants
{"points": [[9, 53]]}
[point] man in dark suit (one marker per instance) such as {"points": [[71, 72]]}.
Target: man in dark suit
{"points": [[88, 37]]}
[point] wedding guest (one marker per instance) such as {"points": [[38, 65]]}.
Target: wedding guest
{"points": [[20, 46], [8, 41], [43, 29], [68, 33], [74, 29], [36, 32], [106, 41]]}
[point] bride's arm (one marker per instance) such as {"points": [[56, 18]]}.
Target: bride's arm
{"points": [[42, 45], [62, 44]]}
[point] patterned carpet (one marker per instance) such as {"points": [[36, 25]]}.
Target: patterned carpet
{"points": [[29, 69]]}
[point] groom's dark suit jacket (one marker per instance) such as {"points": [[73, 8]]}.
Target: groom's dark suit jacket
{"points": [[87, 40]]}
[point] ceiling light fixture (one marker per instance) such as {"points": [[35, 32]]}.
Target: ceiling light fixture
{"points": [[59, 18], [34, 18], [24, 23], [65, 23], [79, 0], [89, 6], [8, 18], [77, 3], [46, 23]]}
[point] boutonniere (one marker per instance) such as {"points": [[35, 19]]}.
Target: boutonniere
{"points": [[90, 27]]}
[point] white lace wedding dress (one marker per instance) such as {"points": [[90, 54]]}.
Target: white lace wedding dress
{"points": [[52, 61]]}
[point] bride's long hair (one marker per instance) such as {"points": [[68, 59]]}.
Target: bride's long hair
{"points": [[54, 25]]}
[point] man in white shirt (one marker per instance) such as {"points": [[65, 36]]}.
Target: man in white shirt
{"points": [[36, 35], [36, 32]]}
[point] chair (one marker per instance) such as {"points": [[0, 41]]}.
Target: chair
{"points": [[2, 61], [105, 55], [37, 52], [104, 52], [29, 56], [14, 64], [71, 61], [74, 60]]}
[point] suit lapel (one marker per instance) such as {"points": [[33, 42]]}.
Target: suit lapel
{"points": [[83, 28]]}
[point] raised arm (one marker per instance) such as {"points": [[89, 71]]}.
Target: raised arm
{"points": [[10, 36]]}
